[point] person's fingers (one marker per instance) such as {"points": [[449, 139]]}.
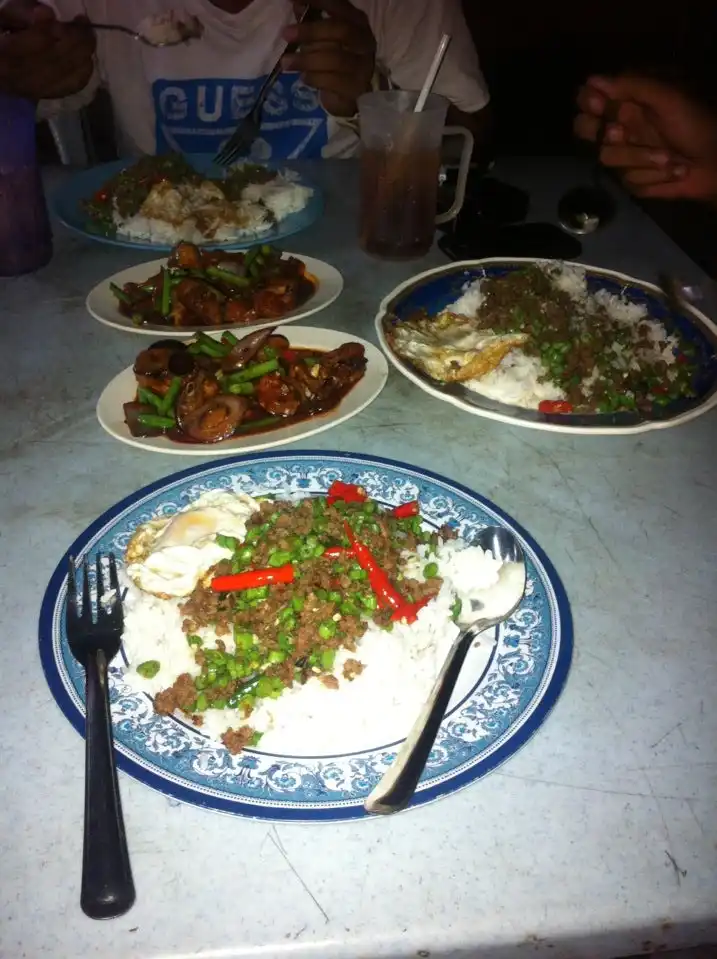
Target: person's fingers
{"points": [[341, 9], [40, 62], [24, 13], [586, 126], [643, 90], [642, 177], [591, 101], [638, 126], [341, 84], [626, 156], [338, 32], [324, 60]]}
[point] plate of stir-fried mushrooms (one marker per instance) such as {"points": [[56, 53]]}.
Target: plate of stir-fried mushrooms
{"points": [[219, 394], [199, 290]]}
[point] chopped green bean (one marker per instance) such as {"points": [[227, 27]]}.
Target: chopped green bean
{"points": [[327, 629], [328, 657], [195, 640], [260, 424], [254, 371], [149, 669], [154, 421], [170, 397], [240, 389], [279, 558], [227, 276], [226, 542], [150, 398], [430, 570], [121, 295]]}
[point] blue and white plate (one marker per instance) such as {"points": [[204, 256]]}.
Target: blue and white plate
{"points": [[435, 289], [67, 204], [506, 691]]}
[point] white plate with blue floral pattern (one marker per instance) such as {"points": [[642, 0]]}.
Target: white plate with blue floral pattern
{"points": [[507, 689]]}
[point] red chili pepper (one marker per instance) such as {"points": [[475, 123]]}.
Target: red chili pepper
{"points": [[406, 509], [101, 195], [291, 356], [377, 577], [555, 406], [409, 611], [333, 552], [346, 492], [253, 578]]}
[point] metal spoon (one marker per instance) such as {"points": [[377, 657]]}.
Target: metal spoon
{"points": [[584, 209], [680, 296], [185, 30], [398, 784]]}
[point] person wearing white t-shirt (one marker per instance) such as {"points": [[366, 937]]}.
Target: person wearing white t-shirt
{"points": [[189, 98]]}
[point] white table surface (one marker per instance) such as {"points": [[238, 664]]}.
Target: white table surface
{"points": [[598, 839]]}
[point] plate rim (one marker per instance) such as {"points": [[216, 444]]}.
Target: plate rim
{"points": [[56, 205], [171, 332], [215, 450], [334, 813], [454, 266]]}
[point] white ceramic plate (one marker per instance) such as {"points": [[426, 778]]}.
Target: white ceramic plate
{"points": [[435, 289], [123, 387], [102, 304]]}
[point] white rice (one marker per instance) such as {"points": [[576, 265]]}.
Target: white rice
{"points": [[198, 214], [377, 707], [520, 379]]}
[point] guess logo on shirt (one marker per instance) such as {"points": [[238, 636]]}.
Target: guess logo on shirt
{"points": [[198, 116]]}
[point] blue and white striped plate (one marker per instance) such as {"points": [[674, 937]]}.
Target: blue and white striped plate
{"points": [[506, 690]]}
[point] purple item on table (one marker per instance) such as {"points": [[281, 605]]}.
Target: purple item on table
{"points": [[25, 235]]}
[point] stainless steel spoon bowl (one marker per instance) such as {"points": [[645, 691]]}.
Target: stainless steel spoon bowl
{"points": [[397, 786], [584, 209]]}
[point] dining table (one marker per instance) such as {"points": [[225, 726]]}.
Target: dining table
{"points": [[597, 839]]}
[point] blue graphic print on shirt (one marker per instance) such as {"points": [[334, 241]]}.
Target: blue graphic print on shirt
{"points": [[198, 116]]}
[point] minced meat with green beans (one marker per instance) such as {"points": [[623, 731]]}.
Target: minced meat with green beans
{"points": [[335, 566], [603, 365]]}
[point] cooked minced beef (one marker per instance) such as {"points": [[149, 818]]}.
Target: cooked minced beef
{"points": [[236, 739], [286, 634], [601, 363], [352, 669]]}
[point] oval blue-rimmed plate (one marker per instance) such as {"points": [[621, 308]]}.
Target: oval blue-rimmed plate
{"points": [[436, 289], [67, 205], [504, 698]]}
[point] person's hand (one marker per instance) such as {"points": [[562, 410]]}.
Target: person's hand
{"points": [[663, 144], [337, 54], [40, 58]]}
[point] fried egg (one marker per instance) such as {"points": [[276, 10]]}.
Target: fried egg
{"points": [[169, 556], [450, 347]]}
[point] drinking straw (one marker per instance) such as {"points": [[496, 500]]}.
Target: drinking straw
{"points": [[432, 73]]}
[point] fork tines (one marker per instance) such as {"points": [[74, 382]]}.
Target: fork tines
{"points": [[109, 604]]}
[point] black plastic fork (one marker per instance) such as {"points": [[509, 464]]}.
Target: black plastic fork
{"points": [[107, 887], [239, 143]]}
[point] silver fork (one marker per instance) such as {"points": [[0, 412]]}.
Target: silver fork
{"points": [[239, 143], [107, 887]]}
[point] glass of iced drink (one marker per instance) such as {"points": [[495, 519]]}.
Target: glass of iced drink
{"points": [[400, 166]]}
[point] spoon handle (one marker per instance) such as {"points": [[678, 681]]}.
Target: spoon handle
{"points": [[107, 887], [397, 786]]}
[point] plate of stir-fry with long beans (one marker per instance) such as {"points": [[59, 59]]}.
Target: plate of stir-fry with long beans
{"points": [[220, 393], [197, 289]]}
